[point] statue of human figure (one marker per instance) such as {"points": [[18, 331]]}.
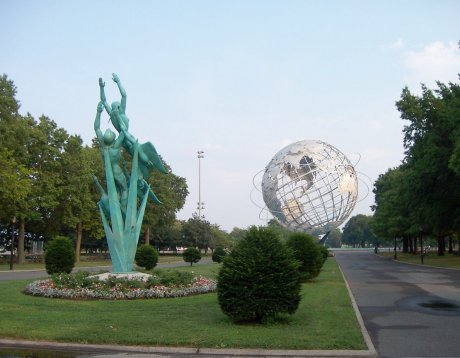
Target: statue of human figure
{"points": [[108, 142], [104, 202], [148, 156]]}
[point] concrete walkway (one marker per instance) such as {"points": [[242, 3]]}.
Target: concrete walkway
{"points": [[409, 310]]}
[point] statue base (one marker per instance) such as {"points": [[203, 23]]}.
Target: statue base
{"points": [[137, 276]]}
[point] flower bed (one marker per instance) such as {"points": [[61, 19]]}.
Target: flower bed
{"points": [[81, 286]]}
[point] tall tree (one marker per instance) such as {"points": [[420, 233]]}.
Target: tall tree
{"points": [[172, 191], [357, 232], [334, 239], [393, 208], [430, 140], [197, 232], [17, 178], [9, 105], [77, 205], [219, 238], [46, 148]]}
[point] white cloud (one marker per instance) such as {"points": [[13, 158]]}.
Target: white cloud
{"points": [[438, 61]]}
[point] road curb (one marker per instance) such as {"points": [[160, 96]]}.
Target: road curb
{"points": [[367, 338], [122, 351]]}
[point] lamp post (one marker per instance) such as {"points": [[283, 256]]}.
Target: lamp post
{"points": [[421, 246], [200, 204], [13, 222], [396, 254]]}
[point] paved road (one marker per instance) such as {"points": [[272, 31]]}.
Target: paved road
{"points": [[409, 310]]}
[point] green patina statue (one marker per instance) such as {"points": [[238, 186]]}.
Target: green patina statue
{"points": [[119, 204]]}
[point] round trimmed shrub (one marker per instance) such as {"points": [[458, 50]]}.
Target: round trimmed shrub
{"points": [[218, 254], [146, 256], [192, 255], [308, 252], [259, 279], [59, 255]]}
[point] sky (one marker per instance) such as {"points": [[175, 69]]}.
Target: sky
{"points": [[236, 79]]}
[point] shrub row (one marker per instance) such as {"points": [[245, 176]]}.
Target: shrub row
{"points": [[261, 278]]}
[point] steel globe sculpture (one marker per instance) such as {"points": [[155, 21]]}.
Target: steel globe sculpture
{"points": [[310, 185]]}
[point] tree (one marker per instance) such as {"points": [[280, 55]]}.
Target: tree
{"points": [[334, 239], [219, 238], [237, 234], [357, 232], [46, 149], [307, 252], [280, 230], [9, 105], [172, 191], [146, 256], [197, 232], [15, 185], [431, 140], [59, 255], [393, 210], [192, 255], [259, 279], [77, 207], [16, 136], [218, 254], [172, 236]]}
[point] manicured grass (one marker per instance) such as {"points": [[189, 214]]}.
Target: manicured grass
{"points": [[325, 319], [5, 266], [432, 259]]}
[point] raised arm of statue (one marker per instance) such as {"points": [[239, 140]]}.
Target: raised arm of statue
{"points": [[122, 92], [97, 122], [103, 99]]}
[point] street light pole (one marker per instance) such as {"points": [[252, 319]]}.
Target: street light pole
{"points": [[13, 222], [421, 246], [200, 203], [396, 255]]}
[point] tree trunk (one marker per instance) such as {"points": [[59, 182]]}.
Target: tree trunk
{"points": [[451, 245], [405, 244], [441, 245], [21, 241], [78, 242], [411, 245], [147, 235]]}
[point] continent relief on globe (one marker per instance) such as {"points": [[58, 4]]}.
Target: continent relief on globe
{"points": [[310, 184]]}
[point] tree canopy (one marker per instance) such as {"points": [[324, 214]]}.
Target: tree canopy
{"points": [[423, 193], [46, 179]]}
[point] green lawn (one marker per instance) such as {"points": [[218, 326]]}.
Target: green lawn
{"points": [[85, 262], [325, 319], [432, 259]]}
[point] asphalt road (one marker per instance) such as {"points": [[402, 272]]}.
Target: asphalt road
{"points": [[409, 310]]}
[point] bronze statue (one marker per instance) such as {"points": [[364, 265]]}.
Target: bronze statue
{"points": [[121, 216]]}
